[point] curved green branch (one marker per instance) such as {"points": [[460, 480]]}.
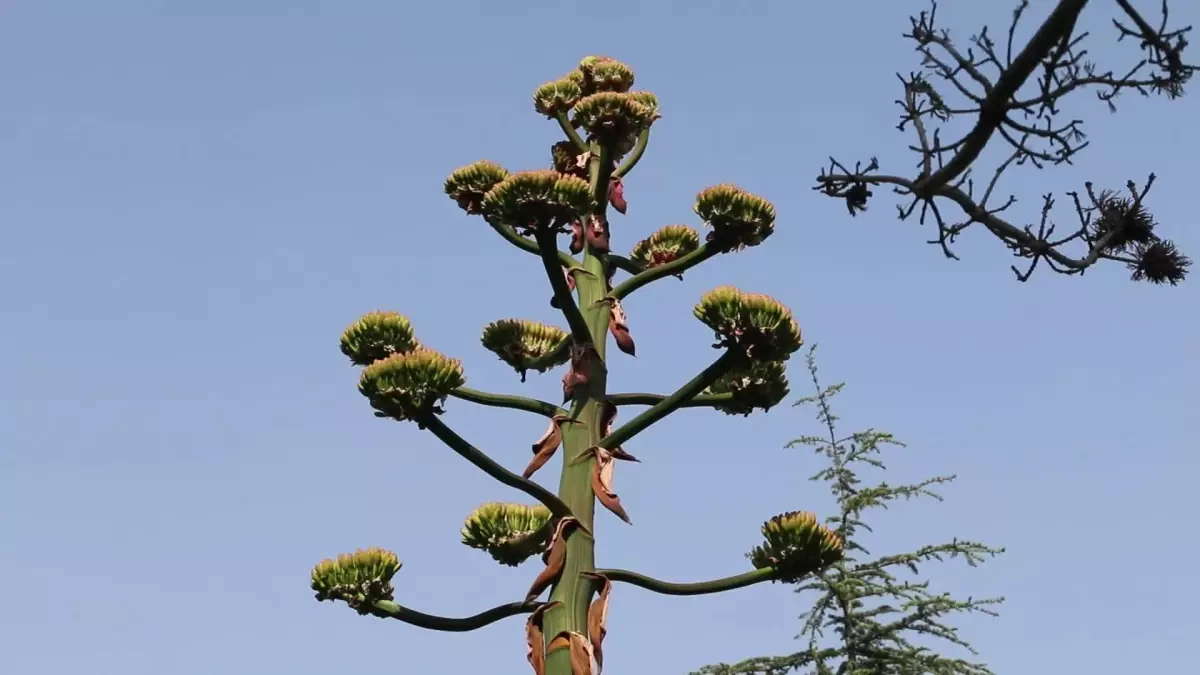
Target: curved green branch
{"points": [[525, 244], [624, 264], [678, 266], [698, 588], [387, 609], [562, 293], [489, 466], [569, 130], [507, 401], [671, 403], [700, 401], [635, 156]]}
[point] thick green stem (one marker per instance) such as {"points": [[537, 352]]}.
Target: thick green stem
{"points": [[670, 404], [573, 590], [489, 466], [697, 588], [701, 401], [678, 266], [507, 401], [569, 130], [527, 244], [635, 156], [387, 609]]}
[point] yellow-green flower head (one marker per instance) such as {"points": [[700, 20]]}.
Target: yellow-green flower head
{"points": [[756, 324], [467, 185], [557, 96], [358, 578], [612, 115], [538, 199], [647, 99], [761, 384], [668, 244], [526, 345], [796, 545], [737, 218], [412, 385], [511, 533], [601, 73], [377, 335]]}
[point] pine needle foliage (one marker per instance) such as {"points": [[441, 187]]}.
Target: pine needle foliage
{"points": [[872, 615]]}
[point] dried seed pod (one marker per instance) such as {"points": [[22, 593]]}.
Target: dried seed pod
{"points": [[409, 386], [467, 185], [377, 335], [358, 579], [756, 324], [795, 545], [618, 325], [511, 533], [616, 195], [738, 219]]}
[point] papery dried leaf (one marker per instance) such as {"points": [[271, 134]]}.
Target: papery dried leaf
{"points": [[616, 195], [582, 660], [602, 473], [576, 237], [618, 325], [597, 234], [555, 557], [598, 618], [579, 372], [545, 447], [534, 640]]}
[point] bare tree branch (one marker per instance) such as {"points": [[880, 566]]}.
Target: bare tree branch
{"points": [[988, 80]]}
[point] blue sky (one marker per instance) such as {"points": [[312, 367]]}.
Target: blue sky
{"points": [[198, 197]]}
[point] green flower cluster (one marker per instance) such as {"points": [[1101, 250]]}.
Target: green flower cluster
{"points": [[377, 335], [410, 386], [738, 218], [538, 199], [526, 345], [467, 185], [511, 533], [761, 384], [668, 244], [796, 545], [359, 579], [756, 324]]}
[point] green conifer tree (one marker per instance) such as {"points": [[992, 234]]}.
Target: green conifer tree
{"points": [[872, 614]]}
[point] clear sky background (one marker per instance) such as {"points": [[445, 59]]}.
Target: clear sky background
{"points": [[197, 197]]}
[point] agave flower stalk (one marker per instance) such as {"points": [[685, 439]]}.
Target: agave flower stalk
{"points": [[606, 124]]}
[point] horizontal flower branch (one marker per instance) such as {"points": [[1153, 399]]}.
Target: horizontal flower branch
{"points": [[728, 360], [678, 266], [696, 588], [640, 398], [507, 401], [386, 609], [529, 245]]}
